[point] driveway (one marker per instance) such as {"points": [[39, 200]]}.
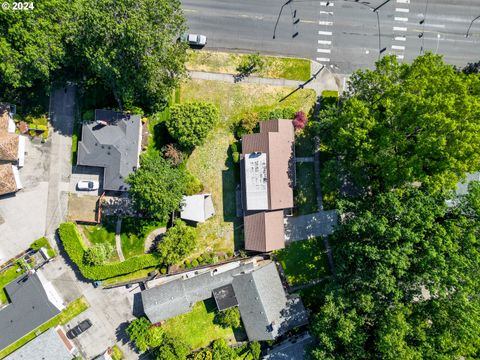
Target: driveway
{"points": [[86, 173], [311, 225], [22, 215]]}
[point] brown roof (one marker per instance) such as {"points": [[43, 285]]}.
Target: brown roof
{"points": [[276, 139], [264, 231], [7, 179], [4, 117], [8, 146]]}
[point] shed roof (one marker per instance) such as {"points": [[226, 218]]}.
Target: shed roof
{"points": [[264, 230], [8, 146], [8, 183], [115, 146], [197, 207]]}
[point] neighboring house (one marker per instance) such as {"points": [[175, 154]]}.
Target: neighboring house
{"points": [[33, 301], [267, 166], [197, 208], [294, 348], [12, 152], [266, 311], [112, 142], [52, 344]]}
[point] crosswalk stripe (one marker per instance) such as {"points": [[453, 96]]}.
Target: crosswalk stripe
{"points": [[324, 3], [325, 51], [400, 38], [326, 12], [323, 59], [398, 47], [397, 18], [398, 28], [403, 1], [325, 42], [329, 23], [324, 33], [402, 10]]}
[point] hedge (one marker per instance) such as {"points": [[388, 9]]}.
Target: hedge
{"points": [[75, 248]]}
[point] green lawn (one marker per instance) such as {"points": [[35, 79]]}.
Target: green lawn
{"points": [[211, 162], [304, 261], [133, 234], [305, 191], [274, 66], [7, 276], [43, 242], [196, 328], [72, 310], [100, 234]]}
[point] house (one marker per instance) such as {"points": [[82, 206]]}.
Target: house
{"points": [[9, 179], [266, 311], [267, 165], [33, 302], [197, 208], [112, 142], [52, 344]]}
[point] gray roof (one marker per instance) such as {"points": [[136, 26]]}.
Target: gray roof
{"points": [[225, 297], [178, 296], [291, 349], [29, 308], [115, 147], [266, 311], [44, 347]]}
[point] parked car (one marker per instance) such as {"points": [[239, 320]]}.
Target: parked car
{"points": [[87, 185], [79, 329], [195, 39]]}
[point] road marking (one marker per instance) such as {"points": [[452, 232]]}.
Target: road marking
{"points": [[441, 26], [326, 12], [190, 10], [328, 23], [403, 1], [308, 21], [325, 33], [324, 3], [399, 28], [398, 47], [402, 10], [325, 51], [323, 59], [400, 38], [404, 19], [400, 57], [324, 42]]}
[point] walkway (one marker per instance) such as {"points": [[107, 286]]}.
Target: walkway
{"points": [[118, 239], [149, 240], [311, 225]]}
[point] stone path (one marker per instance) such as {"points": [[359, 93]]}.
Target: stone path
{"points": [[118, 242], [151, 238]]}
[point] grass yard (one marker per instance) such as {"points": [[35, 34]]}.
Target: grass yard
{"points": [[7, 276], [196, 328], [305, 191], [133, 234], [72, 310], [274, 66], [100, 234], [43, 242], [211, 162], [304, 261]]}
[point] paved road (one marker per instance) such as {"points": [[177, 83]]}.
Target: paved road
{"points": [[340, 33]]}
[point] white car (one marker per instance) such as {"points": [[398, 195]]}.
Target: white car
{"points": [[195, 39], [87, 185]]}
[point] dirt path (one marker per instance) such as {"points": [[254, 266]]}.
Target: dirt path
{"points": [[151, 238], [118, 242]]}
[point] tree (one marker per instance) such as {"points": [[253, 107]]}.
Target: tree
{"points": [[249, 64], [472, 68], [179, 241], [98, 254], [255, 350], [228, 318], [138, 330], [172, 349], [157, 187], [132, 47], [190, 123], [221, 351], [407, 280], [402, 123], [300, 120]]}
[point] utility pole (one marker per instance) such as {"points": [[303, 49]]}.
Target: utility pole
{"points": [[379, 6]]}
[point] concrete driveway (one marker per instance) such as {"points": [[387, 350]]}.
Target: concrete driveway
{"points": [[22, 215], [86, 173], [311, 225]]}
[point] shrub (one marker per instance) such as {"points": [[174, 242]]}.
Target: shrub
{"points": [[250, 64], [88, 115], [276, 114], [234, 147], [264, 115], [190, 123], [329, 97], [255, 350], [200, 259], [248, 124], [289, 112], [178, 242], [134, 110], [300, 120], [194, 263], [42, 242], [75, 248], [97, 254], [228, 318], [193, 184], [163, 270], [173, 154], [236, 157]]}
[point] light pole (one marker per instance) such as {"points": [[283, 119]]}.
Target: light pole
{"points": [[438, 42], [468, 30]]}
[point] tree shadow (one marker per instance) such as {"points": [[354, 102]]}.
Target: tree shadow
{"points": [[137, 310], [121, 333]]}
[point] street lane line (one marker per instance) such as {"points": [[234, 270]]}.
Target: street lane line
{"points": [[329, 23], [325, 51], [326, 12], [403, 1], [324, 3], [325, 33], [323, 59], [400, 38], [324, 42], [403, 10], [399, 28], [441, 26], [398, 47], [397, 18]]}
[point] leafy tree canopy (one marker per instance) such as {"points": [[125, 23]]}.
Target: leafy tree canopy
{"points": [[228, 318], [407, 280], [179, 241], [157, 187], [98, 254], [172, 349], [190, 123], [402, 123]]}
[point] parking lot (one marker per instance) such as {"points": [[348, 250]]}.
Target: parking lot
{"points": [[23, 215]]}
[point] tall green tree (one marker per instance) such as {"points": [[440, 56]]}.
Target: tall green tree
{"points": [[178, 242], [157, 187], [407, 285], [404, 123], [132, 47]]}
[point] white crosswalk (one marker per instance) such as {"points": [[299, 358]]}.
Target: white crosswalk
{"points": [[325, 35], [399, 30]]}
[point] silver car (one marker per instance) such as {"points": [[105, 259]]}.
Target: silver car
{"points": [[87, 185], [195, 39]]}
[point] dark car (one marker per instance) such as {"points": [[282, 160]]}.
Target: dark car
{"points": [[80, 328]]}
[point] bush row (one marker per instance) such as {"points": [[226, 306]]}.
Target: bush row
{"points": [[75, 248]]}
